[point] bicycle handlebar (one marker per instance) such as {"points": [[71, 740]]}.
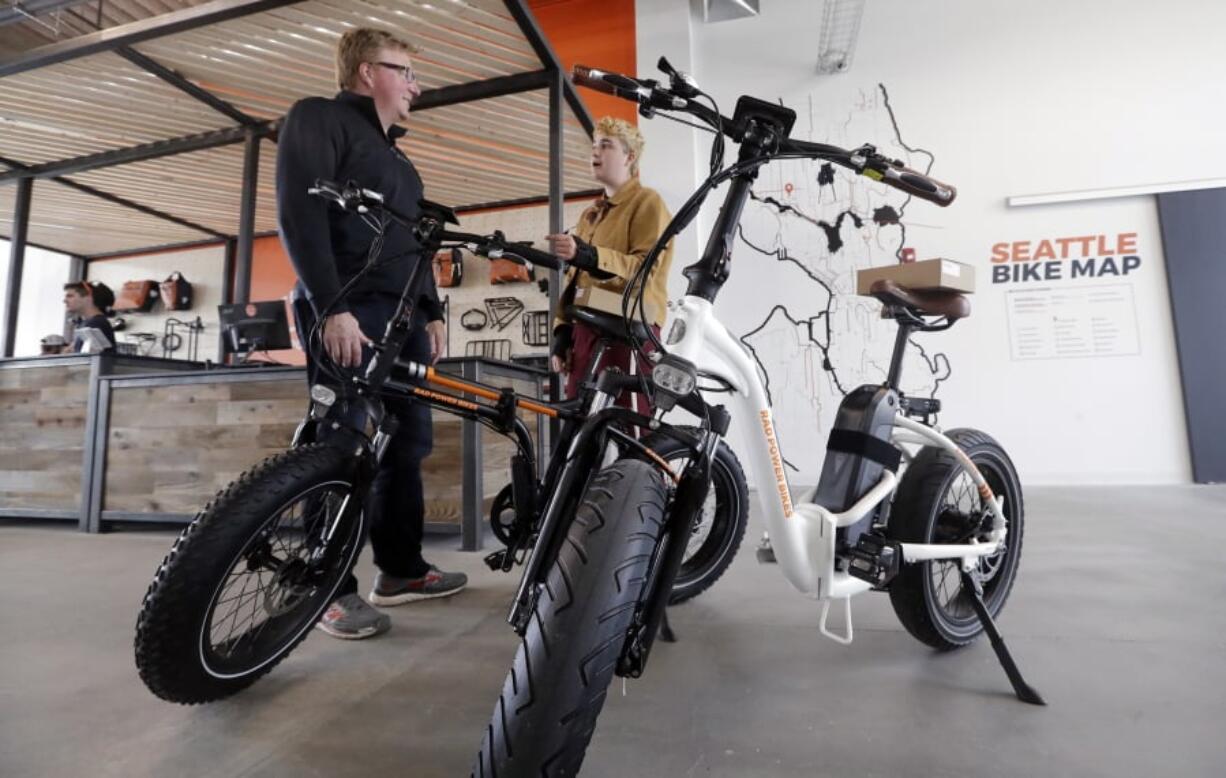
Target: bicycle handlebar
{"points": [[866, 161], [353, 198]]}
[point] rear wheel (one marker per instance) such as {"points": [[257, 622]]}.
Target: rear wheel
{"points": [[547, 712], [937, 502], [246, 580]]}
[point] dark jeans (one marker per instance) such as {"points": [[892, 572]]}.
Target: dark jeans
{"points": [[395, 507]]}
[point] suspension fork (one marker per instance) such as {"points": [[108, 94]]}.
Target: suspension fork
{"points": [[687, 503], [582, 460]]}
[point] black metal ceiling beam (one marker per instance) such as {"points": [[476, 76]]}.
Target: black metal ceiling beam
{"points": [[145, 151], [499, 86], [42, 246], [120, 201], [532, 31], [522, 201], [190, 244], [135, 32], [179, 82]]}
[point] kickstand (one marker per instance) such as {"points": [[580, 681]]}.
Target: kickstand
{"points": [[1024, 691], [666, 632]]}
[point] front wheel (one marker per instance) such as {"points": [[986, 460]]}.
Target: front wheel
{"points": [[545, 717], [246, 580], [937, 502]]}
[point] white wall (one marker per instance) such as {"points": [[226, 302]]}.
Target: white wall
{"points": [[42, 293], [1011, 98], [203, 267]]}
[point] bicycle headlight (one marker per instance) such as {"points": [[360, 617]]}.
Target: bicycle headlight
{"points": [[675, 378], [324, 395]]}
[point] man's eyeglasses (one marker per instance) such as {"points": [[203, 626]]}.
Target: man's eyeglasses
{"points": [[405, 70]]}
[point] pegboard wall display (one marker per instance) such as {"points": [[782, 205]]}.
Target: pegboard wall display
{"points": [[186, 329], [503, 305]]}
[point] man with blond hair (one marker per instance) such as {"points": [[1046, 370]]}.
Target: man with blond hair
{"points": [[352, 137]]}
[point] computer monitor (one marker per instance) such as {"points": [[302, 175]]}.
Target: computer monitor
{"points": [[258, 326]]}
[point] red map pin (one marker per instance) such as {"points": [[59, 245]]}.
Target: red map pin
{"points": [[788, 188]]}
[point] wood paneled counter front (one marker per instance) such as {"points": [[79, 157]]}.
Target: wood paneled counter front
{"points": [[161, 444], [47, 419]]}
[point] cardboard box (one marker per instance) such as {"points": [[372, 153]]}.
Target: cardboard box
{"points": [[929, 274], [606, 300]]}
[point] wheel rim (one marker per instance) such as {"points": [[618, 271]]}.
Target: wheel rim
{"points": [[273, 591], [954, 516]]}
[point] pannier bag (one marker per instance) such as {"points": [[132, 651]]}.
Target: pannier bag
{"points": [[506, 271], [448, 268], [137, 296], [176, 292]]}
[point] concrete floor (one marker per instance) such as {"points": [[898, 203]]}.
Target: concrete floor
{"points": [[1118, 618]]}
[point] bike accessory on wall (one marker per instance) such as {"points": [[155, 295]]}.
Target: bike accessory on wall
{"points": [[176, 292], [536, 328], [448, 268], [474, 319], [137, 296], [143, 342], [507, 271], [490, 349], [502, 310], [172, 340]]}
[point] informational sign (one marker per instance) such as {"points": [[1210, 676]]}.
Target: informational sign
{"points": [[1072, 322], [1086, 257]]}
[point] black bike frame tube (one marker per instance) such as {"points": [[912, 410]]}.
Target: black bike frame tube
{"points": [[710, 272], [900, 346]]}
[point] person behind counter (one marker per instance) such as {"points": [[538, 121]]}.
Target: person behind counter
{"points": [[86, 303], [605, 249]]}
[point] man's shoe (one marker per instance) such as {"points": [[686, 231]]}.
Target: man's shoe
{"points": [[349, 617], [389, 590]]}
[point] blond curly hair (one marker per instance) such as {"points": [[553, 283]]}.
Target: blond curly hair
{"points": [[625, 132]]}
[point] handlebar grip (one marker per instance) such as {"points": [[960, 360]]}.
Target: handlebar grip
{"points": [[919, 185], [535, 256], [610, 83]]}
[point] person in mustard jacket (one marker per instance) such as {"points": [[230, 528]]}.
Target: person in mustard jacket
{"points": [[606, 248]]}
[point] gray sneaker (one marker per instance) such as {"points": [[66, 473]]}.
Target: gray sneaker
{"points": [[389, 590], [349, 617]]}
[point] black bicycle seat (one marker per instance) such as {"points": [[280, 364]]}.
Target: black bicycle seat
{"points": [[610, 325], [951, 305]]}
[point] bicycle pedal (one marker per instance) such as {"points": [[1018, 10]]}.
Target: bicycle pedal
{"points": [[495, 560], [875, 559]]}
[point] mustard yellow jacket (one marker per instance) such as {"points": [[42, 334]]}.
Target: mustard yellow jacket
{"points": [[622, 229]]}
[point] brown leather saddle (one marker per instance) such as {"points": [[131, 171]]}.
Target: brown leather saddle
{"points": [[951, 305]]}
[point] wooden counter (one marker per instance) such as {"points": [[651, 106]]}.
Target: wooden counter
{"points": [[166, 443], [47, 419]]}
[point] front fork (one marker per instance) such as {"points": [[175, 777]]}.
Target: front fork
{"points": [[687, 503]]}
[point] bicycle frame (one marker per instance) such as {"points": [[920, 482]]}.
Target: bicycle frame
{"points": [[803, 535]]}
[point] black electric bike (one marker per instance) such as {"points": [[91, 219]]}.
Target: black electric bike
{"points": [[247, 579]]}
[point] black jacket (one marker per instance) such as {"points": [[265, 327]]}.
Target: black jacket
{"points": [[341, 140]]}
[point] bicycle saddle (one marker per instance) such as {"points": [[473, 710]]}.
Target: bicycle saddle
{"points": [[610, 325], [951, 305]]}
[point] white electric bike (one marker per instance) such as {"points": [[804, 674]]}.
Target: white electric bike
{"points": [[944, 538]]}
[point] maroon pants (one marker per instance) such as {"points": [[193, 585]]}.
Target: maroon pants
{"points": [[584, 342]]}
